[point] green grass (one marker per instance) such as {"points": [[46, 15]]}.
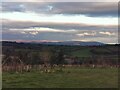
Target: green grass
{"points": [[82, 53], [70, 77]]}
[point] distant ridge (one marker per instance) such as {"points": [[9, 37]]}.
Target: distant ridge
{"points": [[68, 43], [74, 43]]}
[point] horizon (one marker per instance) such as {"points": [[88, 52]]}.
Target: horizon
{"points": [[41, 41], [60, 21]]}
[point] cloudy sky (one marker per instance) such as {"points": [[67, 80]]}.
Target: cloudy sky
{"points": [[60, 21]]}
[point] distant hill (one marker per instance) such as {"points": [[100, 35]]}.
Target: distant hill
{"points": [[71, 48], [72, 43], [68, 43]]}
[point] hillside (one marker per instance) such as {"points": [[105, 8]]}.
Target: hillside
{"points": [[74, 50]]}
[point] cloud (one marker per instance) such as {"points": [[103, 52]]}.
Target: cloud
{"points": [[37, 30], [107, 33], [59, 1], [100, 39], [32, 1], [34, 33], [13, 7], [26, 30], [76, 29], [62, 28], [92, 9], [58, 36], [47, 26], [87, 34], [23, 6]]}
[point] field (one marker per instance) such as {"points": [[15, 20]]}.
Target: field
{"points": [[85, 66], [70, 77]]}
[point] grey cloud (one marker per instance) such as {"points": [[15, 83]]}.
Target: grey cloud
{"points": [[12, 7], [61, 26], [41, 36], [100, 39], [57, 37], [38, 7], [68, 8], [12, 30], [96, 34], [86, 8]]}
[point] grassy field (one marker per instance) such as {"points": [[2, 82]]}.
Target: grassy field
{"points": [[77, 51], [71, 77], [81, 53]]}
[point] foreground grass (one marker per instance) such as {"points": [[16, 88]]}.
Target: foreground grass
{"points": [[70, 77]]}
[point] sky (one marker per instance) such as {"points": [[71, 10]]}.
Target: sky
{"points": [[59, 21]]}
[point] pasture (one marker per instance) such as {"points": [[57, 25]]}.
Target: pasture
{"points": [[92, 66], [70, 77]]}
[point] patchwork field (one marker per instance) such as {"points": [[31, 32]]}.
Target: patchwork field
{"points": [[70, 77]]}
